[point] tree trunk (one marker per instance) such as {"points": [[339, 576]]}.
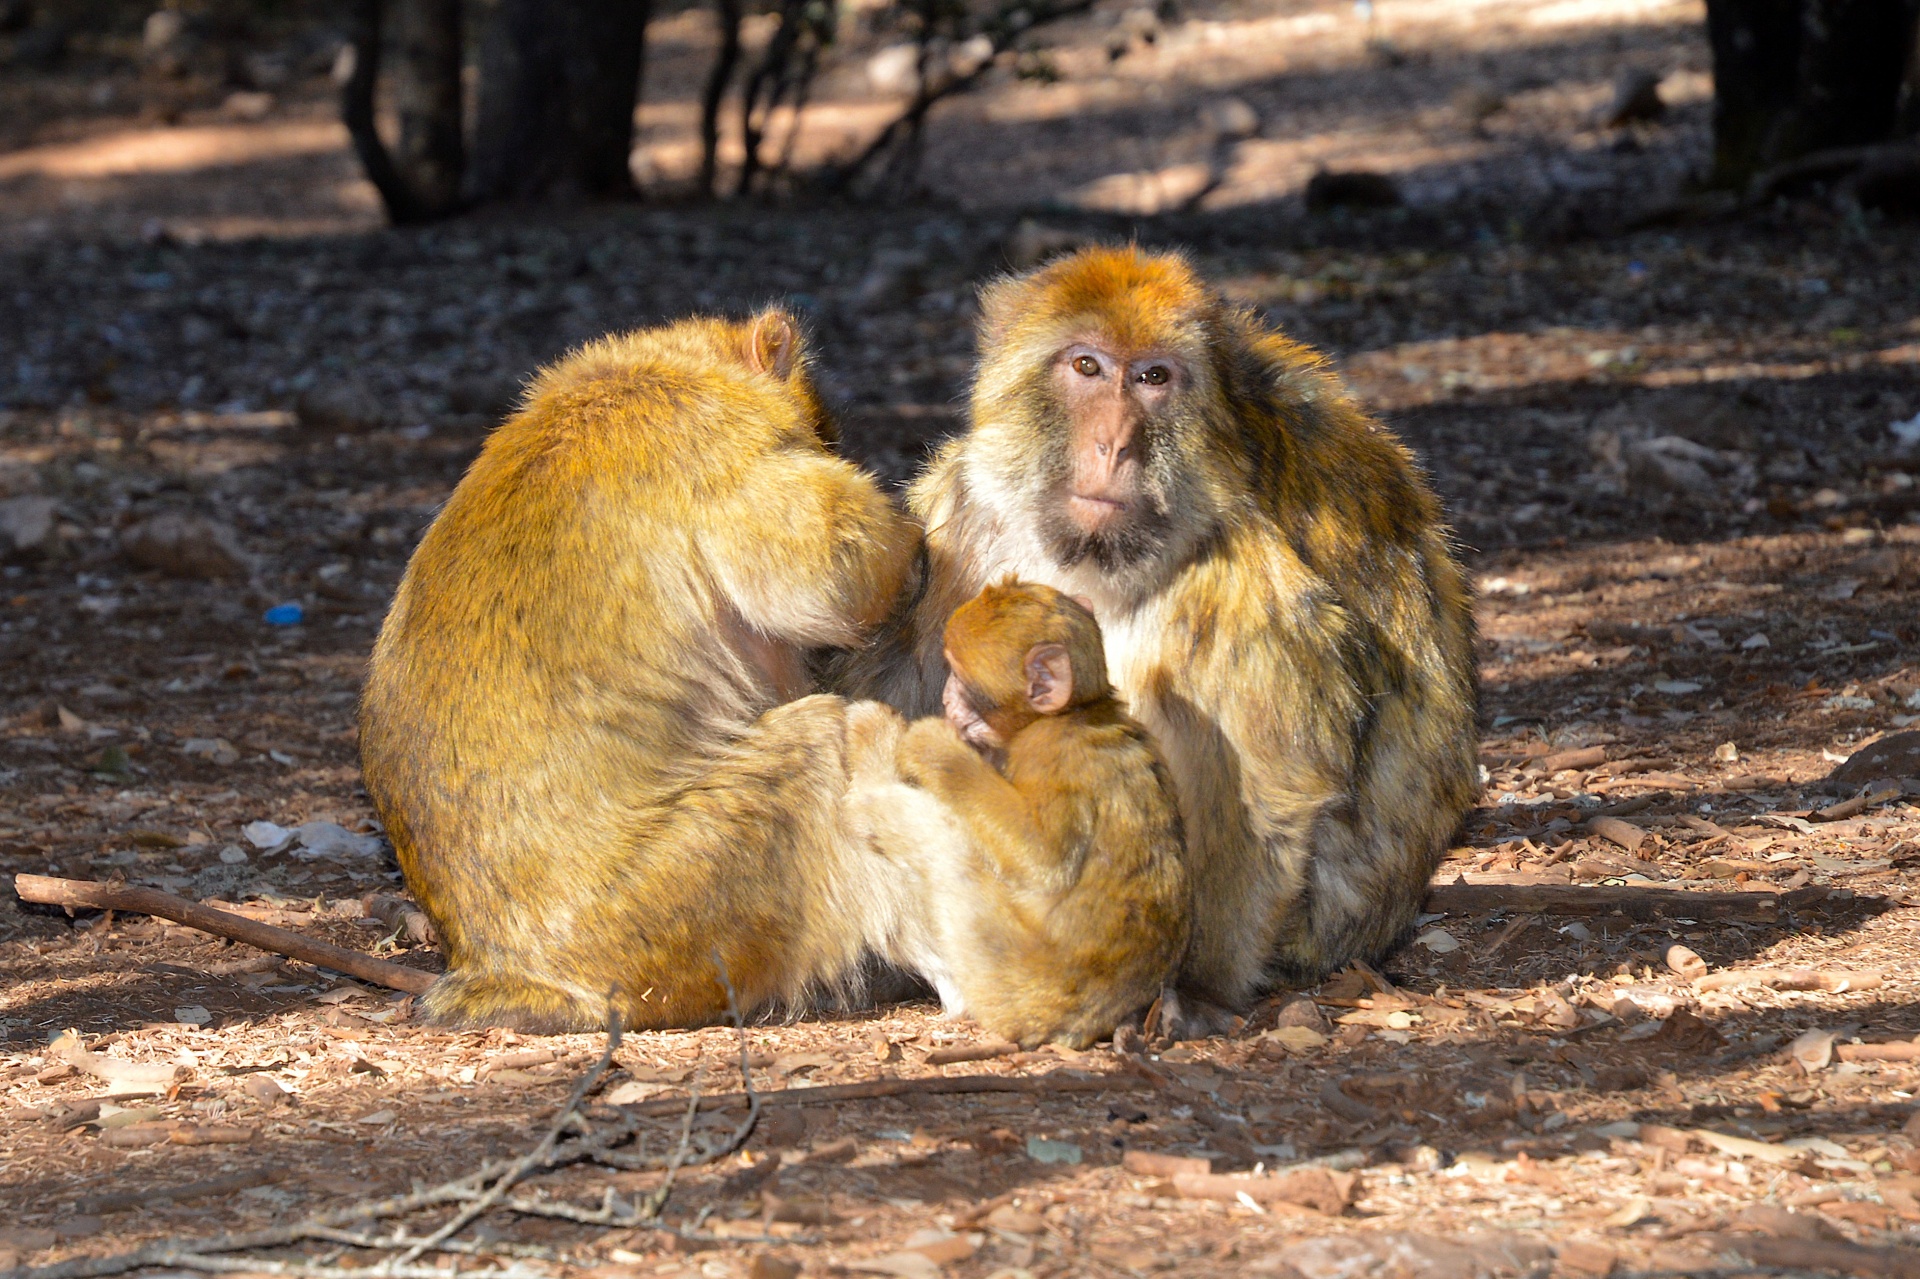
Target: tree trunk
{"points": [[426, 91], [1796, 76], [558, 83], [1909, 122], [419, 180], [727, 13]]}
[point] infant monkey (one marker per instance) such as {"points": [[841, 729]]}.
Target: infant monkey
{"points": [[1069, 906]]}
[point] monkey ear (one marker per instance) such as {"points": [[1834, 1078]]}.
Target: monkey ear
{"points": [[774, 344], [1049, 678], [999, 303]]}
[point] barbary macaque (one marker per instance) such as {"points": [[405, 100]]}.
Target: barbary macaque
{"points": [[1052, 855], [586, 723], [1281, 602]]}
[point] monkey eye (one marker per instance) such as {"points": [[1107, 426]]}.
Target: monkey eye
{"points": [[1087, 366], [1156, 375]]}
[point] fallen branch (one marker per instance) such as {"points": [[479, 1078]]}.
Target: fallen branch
{"points": [[1830, 981], [1823, 1254], [1633, 902], [46, 890], [1897, 1051], [971, 1052], [309, 1270]]}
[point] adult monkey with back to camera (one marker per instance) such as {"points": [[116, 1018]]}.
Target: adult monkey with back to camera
{"points": [[1280, 599], [585, 723]]}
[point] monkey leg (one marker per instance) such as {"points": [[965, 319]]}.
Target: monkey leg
{"points": [[746, 873], [749, 875], [477, 997]]}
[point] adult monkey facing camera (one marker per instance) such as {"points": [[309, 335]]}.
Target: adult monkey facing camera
{"points": [[1056, 890], [580, 724], [1281, 603]]}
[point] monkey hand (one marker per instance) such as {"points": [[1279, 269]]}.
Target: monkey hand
{"points": [[930, 752], [874, 730]]}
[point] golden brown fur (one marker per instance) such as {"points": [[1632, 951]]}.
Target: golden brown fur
{"points": [[580, 724], [1280, 599], [1057, 895]]}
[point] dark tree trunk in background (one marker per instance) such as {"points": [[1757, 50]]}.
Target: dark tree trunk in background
{"points": [[724, 64], [427, 95], [419, 179], [1909, 122], [558, 84], [1797, 76]]}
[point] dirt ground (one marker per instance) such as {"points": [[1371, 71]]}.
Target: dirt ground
{"points": [[1681, 458]]}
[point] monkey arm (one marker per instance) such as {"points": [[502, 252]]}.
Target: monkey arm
{"points": [[808, 550], [996, 817]]}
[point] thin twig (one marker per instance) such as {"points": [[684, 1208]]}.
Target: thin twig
{"points": [[308, 1270], [527, 1162], [382, 1243], [321, 1225], [616, 1215], [657, 1201], [745, 1130]]}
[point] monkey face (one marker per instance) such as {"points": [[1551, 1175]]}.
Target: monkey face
{"points": [[1110, 497], [965, 717]]}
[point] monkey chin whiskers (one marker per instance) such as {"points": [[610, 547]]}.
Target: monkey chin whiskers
{"points": [[1130, 535]]}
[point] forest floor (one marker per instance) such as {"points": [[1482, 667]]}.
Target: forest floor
{"points": [[1681, 457]]}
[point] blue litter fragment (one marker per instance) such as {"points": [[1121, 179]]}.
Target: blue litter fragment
{"points": [[286, 615]]}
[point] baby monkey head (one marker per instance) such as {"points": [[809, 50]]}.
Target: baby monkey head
{"points": [[1016, 652]]}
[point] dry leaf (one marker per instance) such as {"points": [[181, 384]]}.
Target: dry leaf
{"points": [[1813, 1049], [1632, 1212]]}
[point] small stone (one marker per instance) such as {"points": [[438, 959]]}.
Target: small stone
{"points": [[26, 526], [1041, 1150], [1231, 118], [1636, 97], [264, 1089], [1301, 1011], [1892, 758], [248, 104], [1016, 1220], [188, 546], [217, 750]]}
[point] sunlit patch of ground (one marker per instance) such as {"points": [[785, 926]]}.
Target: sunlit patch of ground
{"points": [[1072, 124]]}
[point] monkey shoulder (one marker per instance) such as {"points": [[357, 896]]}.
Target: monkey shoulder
{"points": [[1093, 754]]}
